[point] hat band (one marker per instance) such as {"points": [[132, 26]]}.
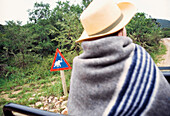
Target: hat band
{"points": [[110, 27]]}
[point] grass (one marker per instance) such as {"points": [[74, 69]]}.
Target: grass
{"points": [[157, 57], [26, 90], [33, 82]]}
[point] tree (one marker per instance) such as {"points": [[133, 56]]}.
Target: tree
{"points": [[2, 34], [41, 42], [40, 11], [85, 3], [16, 43], [1, 28], [67, 27], [145, 32], [59, 29]]}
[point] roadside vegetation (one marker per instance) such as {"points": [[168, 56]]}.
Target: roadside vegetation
{"points": [[27, 51]]}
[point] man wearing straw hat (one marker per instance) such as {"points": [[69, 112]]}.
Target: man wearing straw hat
{"points": [[114, 76]]}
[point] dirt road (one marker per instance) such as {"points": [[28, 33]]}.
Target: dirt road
{"points": [[166, 57]]}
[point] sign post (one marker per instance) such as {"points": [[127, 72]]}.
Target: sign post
{"points": [[63, 82], [60, 64]]}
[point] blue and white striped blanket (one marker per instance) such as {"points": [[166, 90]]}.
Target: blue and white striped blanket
{"points": [[138, 88], [114, 77]]}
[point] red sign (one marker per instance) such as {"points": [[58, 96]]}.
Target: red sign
{"points": [[59, 62]]}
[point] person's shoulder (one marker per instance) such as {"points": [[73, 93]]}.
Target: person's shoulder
{"points": [[137, 47]]}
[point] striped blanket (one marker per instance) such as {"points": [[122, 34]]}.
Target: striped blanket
{"points": [[115, 77]]}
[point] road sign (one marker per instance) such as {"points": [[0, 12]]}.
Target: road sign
{"points": [[59, 62]]}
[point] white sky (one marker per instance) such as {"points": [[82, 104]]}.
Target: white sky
{"points": [[17, 9]]}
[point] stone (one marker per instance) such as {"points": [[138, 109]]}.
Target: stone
{"points": [[42, 98], [46, 108], [31, 98], [3, 92], [38, 103], [62, 98], [63, 107], [45, 104], [58, 102], [50, 99], [64, 103], [53, 110], [55, 100], [65, 111], [56, 111], [41, 108], [32, 105]]}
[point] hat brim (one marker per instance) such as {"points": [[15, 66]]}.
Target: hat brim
{"points": [[128, 10]]}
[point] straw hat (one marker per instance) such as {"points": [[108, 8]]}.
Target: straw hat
{"points": [[104, 17]]}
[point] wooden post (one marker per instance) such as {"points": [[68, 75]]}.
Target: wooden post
{"points": [[63, 82]]}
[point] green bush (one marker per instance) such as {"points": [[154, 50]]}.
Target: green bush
{"points": [[147, 33], [166, 32]]}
